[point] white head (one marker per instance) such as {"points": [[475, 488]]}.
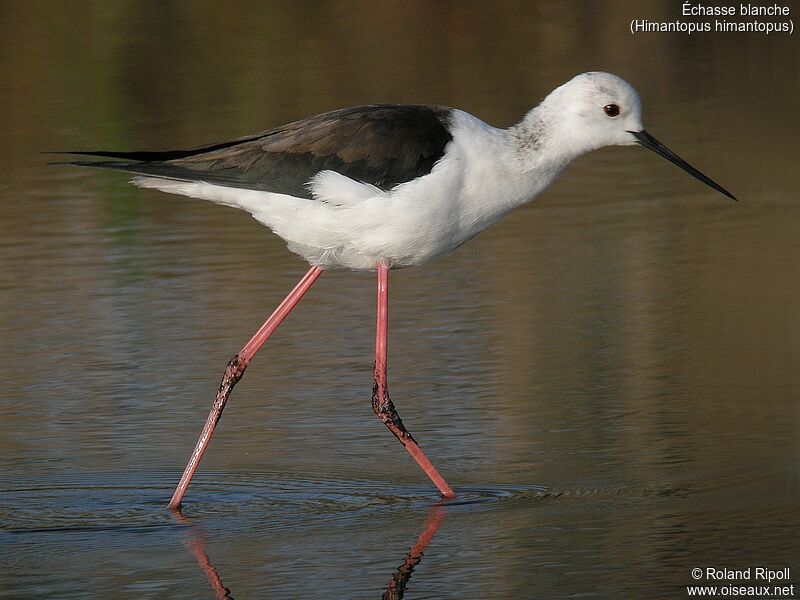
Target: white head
{"points": [[593, 110]]}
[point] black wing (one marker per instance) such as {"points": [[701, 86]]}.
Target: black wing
{"points": [[382, 144]]}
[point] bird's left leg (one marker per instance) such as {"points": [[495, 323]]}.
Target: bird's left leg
{"points": [[233, 373], [381, 403]]}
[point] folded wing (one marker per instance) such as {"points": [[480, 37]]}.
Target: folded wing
{"points": [[383, 145]]}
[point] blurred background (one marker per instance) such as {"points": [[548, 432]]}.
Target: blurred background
{"points": [[608, 377]]}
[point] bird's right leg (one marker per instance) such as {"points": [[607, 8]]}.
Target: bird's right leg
{"points": [[234, 372], [381, 403]]}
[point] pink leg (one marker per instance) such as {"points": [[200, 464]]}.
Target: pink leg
{"points": [[234, 372], [381, 403]]}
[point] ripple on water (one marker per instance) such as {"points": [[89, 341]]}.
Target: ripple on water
{"points": [[136, 502], [87, 503], [103, 500]]}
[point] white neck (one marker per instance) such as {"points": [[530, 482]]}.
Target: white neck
{"points": [[508, 167]]}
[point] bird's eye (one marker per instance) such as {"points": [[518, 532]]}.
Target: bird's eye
{"points": [[612, 110]]}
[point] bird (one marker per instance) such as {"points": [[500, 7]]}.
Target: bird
{"points": [[388, 186]]}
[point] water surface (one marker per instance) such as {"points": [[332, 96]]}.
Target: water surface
{"points": [[608, 377]]}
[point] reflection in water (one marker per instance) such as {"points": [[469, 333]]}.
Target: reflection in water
{"points": [[397, 584], [395, 589], [197, 546]]}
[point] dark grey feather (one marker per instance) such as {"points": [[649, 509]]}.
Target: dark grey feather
{"points": [[382, 144]]}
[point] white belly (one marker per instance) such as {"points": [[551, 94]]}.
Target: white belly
{"points": [[352, 225]]}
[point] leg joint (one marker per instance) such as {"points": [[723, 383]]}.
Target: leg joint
{"points": [[384, 409], [233, 373]]}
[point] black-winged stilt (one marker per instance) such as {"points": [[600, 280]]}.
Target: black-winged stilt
{"points": [[382, 187]]}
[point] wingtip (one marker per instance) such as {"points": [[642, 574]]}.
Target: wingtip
{"points": [[73, 163], [59, 163], [76, 163]]}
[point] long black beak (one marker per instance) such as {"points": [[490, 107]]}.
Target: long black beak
{"points": [[651, 143]]}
